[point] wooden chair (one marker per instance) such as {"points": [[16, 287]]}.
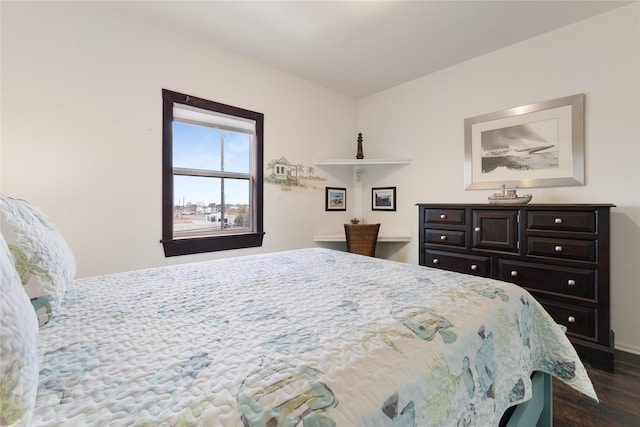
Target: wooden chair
{"points": [[362, 238]]}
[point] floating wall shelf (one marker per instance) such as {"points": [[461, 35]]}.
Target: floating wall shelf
{"points": [[363, 162], [382, 238], [359, 165]]}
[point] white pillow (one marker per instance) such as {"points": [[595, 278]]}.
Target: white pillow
{"points": [[18, 352], [41, 256]]}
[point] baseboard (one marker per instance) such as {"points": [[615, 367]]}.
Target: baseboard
{"points": [[628, 348]]}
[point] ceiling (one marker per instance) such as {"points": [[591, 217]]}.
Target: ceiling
{"points": [[362, 47]]}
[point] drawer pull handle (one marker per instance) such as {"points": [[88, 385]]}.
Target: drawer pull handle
{"points": [[558, 249], [514, 273], [474, 267], [571, 319], [558, 220], [435, 260], [571, 282], [443, 216], [477, 228], [443, 237]]}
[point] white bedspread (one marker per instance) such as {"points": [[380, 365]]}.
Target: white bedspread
{"points": [[310, 337]]}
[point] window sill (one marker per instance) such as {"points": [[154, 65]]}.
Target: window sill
{"points": [[211, 244]]}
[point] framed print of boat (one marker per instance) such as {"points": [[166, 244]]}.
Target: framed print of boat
{"points": [[536, 145]]}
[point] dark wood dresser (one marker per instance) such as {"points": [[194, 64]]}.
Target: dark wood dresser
{"points": [[559, 253]]}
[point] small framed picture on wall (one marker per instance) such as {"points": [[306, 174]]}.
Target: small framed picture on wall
{"points": [[383, 199], [335, 199]]}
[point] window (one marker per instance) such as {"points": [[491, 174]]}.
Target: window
{"points": [[212, 170]]}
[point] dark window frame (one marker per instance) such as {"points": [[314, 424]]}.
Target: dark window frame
{"points": [[194, 245]]}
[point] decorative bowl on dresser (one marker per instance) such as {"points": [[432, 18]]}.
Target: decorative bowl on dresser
{"points": [[558, 252]]}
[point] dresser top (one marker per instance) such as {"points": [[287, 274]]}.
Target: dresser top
{"points": [[528, 205]]}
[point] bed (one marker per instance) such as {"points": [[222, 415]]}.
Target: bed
{"points": [[307, 337]]}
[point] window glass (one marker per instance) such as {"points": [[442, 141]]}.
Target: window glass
{"points": [[196, 147], [237, 152], [199, 210], [197, 206]]}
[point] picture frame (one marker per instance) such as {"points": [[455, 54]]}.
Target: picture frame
{"points": [[335, 199], [536, 145], [383, 199]]}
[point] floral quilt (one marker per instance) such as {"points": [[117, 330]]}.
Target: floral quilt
{"points": [[310, 337]]}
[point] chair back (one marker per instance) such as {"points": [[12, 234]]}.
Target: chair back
{"points": [[362, 238]]}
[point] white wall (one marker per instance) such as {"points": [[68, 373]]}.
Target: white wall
{"points": [[81, 128], [423, 119]]}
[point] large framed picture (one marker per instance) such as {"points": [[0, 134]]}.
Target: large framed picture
{"points": [[536, 145], [383, 199], [335, 199]]}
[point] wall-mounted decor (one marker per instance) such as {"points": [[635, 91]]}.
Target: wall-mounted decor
{"points": [[383, 199], [536, 145], [335, 199], [288, 175]]}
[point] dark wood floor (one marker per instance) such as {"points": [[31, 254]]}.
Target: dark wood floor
{"points": [[619, 395]]}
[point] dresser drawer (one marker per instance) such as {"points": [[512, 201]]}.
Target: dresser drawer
{"points": [[444, 216], [469, 264], [581, 250], [572, 282], [562, 221], [444, 237], [578, 320]]}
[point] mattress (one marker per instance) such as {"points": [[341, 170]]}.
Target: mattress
{"points": [[309, 337]]}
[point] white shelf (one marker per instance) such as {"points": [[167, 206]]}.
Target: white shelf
{"points": [[382, 238], [361, 162]]}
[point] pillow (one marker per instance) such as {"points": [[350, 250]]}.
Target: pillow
{"points": [[18, 352], [42, 258]]}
